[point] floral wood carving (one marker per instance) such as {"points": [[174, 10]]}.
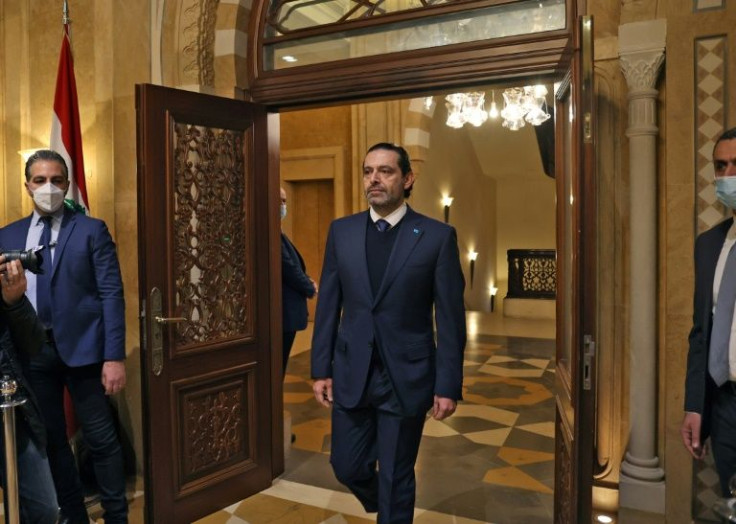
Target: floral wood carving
{"points": [[209, 234], [563, 479], [213, 428]]}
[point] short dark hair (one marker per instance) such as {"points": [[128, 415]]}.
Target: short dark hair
{"points": [[404, 162], [50, 156], [729, 134]]}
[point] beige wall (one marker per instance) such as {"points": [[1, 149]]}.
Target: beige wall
{"points": [[526, 217], [687, 117], [451, 168], [111, 53]]}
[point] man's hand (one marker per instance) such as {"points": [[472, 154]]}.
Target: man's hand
{"points": [[113, 376], [323, 391], [12, 280], [443, 407], [690, 432], [316, 287]]}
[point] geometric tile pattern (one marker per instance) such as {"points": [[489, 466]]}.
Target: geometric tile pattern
{"points": [[706, 489], [710, 122], [492, 461]]}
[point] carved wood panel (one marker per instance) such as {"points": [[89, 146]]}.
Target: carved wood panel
{"points": [[564, 496], [211, 260], [215, 426]]}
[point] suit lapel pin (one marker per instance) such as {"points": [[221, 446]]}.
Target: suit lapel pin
{"points": [[416, 231]]}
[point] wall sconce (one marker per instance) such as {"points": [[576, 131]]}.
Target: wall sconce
{"points": [[492, 290], [472, 256], [447, 202]]}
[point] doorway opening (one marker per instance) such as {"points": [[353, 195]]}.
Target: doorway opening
{"points": [[493, 459]]}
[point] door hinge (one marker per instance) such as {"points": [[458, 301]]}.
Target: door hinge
{"points": [[588, 355]]}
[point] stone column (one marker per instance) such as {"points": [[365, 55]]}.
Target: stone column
{"points": [[641, 51]]}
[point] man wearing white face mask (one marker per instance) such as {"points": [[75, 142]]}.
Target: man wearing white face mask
{"points": [[710, 386], [79, 299]]}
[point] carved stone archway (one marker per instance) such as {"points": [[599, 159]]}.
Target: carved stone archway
{"points": [[201, 45]]}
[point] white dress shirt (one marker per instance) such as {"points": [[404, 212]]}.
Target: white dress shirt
{"points": [[730, 241], [393, 218], [32, 242]]}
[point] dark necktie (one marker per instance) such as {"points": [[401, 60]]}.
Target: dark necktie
{"points": [[43, 280], [382, 225], [720, 335]]}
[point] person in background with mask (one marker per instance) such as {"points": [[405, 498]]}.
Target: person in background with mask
{"points": [[79, 300], [710, 385], [296, 288]]}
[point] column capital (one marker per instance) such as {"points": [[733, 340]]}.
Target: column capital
{"points": [[641, 52], [641, 70]]}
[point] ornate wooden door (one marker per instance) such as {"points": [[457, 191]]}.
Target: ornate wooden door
{"points": [[576, 303], [208, 240]]}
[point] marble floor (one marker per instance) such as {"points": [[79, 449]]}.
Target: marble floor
{"points": [[491, 462]]}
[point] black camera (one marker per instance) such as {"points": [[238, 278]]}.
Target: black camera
{"points": [[30, 259]]}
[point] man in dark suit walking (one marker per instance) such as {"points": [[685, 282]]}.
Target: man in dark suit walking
{"points": [[710, 386], [389, 274], [296, 288], [79, 299]]}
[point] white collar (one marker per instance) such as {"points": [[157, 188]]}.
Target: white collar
{"points": [[55, 217], [394, 217]]}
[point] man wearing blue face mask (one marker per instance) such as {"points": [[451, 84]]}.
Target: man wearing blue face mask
{"points": [[710, 385], [296, 288], [79, 301]]}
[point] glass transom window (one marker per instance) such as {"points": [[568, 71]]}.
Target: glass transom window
{"points": [[305, 32]]}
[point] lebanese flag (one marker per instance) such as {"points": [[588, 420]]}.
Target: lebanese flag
{"points": [[66, 131], [66, 139]]}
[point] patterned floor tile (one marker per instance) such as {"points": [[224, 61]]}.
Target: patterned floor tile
{"points": [[546, 429], [495, 437], [515, 478], [517, 457], [476, 456]]}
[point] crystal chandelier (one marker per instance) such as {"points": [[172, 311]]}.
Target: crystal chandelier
{"points": [[466, 108], [521, 105]]}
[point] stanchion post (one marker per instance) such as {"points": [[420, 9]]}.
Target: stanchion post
{"points": [[8, 388]]}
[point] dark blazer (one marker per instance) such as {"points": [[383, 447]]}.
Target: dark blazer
{"points": [[296, 287], [423, 281], [21, 337], [699, 385], [86, 289]]}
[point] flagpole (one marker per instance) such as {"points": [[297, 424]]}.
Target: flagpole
{"points": [[66, 132], [66, 20]]}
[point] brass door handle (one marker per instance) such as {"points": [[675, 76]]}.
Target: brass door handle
{"points": [[169, 320]]}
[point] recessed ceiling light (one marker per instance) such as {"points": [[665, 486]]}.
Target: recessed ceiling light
{"points": [[604, 519], [288, 58]]}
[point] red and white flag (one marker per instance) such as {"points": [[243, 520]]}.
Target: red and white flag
{"points": [[66, 139], [66, 131]]}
